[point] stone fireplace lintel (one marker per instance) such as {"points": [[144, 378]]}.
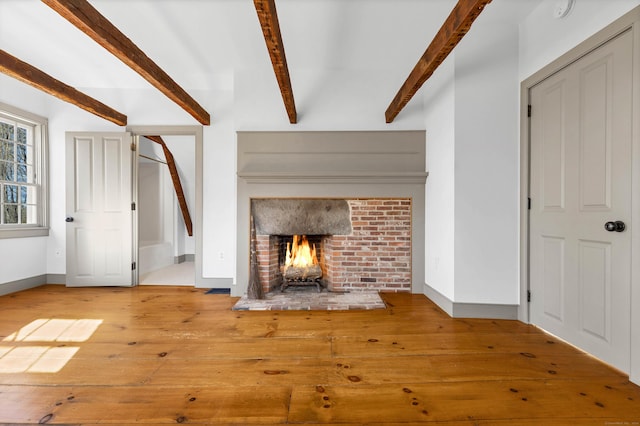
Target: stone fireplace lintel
{"points": [[301, 217]]}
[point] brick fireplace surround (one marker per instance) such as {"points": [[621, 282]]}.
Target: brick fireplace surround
{"points": [[380, 175], [374, 255]]}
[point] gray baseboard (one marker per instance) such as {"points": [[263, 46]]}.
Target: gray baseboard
{"points": [[32, 282], [37, 281], [23, 284], [184, 258], [214, 282], [471, 310], [57, 279]]}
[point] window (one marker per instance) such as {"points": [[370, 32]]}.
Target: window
{"points": [[23, 167]]}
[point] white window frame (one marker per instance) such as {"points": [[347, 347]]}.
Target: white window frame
{"points": [[40, 125]]}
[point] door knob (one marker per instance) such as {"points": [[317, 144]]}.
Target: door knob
{"points": [[69, 219], [617, 226]]}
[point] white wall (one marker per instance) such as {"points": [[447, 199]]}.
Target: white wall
{"points": [[471, 110], [486, 166], [544, 38], [219, 199], [22, 258], [150, 228], [439, 100]]}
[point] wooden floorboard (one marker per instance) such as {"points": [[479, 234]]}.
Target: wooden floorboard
{"points": [[172, 355]]}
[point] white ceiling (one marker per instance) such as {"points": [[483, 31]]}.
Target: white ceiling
{"points": [[200, 43]]}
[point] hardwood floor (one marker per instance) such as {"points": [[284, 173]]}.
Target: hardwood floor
{"points": [[167, 355]]}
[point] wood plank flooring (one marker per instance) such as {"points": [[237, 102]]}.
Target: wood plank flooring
{"points": [[171, 355]]}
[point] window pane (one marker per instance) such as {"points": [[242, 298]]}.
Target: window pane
{"points": [[10, 194], [6, 131], [29, 215], [22, 135], [21, 154], [22, 173], [6, 171], [10, 213], [24, 154], [28, 195], [6, 150]]}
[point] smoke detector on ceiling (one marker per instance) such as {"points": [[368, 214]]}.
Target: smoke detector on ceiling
{"points": [[562, 8]]}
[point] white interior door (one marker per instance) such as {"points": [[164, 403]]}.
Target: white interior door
{"points": [[581, 134], [99, 214]]}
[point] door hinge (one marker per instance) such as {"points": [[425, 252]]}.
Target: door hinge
{"points": [[529, 203], [133, 206], [528, 295], [133, 266], [528, 110], [133, 146]]}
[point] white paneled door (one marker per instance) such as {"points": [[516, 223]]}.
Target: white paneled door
{"points": [[98, 205], [580, 255]]}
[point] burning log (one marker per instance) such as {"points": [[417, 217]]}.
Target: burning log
{"points": [[305, 273]]}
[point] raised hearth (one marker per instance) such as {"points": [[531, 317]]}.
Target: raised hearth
{"points": [[303, 300]]}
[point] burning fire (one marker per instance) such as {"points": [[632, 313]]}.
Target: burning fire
{"points": [[300, 255]]}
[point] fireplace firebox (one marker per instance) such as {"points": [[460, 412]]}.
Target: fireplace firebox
{"points": [[300, 261]]}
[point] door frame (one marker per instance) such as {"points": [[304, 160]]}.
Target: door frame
{"points": [[629, 21], [197, 133]]}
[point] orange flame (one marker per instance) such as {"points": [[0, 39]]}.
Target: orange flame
{"points": [[300, 255]]}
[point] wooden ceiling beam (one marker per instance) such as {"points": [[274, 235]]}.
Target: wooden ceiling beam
{"points": [[33, 76], [452, 31], [86, 18], [268, 17], [177, 185]]}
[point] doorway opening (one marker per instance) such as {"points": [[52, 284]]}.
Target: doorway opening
{"points": [[166, 251]]}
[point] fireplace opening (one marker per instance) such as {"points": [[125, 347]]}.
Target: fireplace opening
{"points": [[300, 261]]}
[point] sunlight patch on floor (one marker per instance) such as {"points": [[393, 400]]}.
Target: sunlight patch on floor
{"points": [[43, 358], [55, 330], [36, 359]]}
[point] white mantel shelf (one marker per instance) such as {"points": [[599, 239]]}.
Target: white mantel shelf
{"points": [[362, 178]]}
